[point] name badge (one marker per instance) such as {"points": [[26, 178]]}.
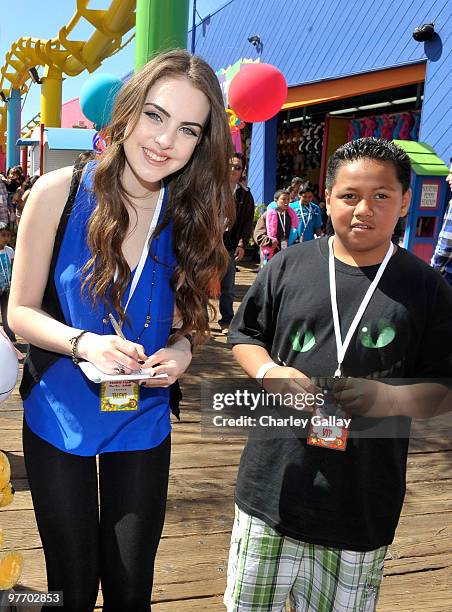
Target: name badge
{"points": [[329, 428], [284, 244], [119, 396]]}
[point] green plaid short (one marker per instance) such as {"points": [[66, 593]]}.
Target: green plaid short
{"points": [[265, 569]]}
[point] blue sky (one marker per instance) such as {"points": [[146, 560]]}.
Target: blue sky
{"points": [[46, 21]]}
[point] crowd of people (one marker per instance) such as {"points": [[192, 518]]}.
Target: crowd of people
{"points": [[15, 188], [295, 215], [119, 273]]}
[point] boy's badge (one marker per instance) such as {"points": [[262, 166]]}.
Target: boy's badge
{"points": [[284, 244], [119, 396], [329, 428]]}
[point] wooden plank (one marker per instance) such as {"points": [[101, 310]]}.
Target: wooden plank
{"points": [[183, 456], [418, 564], [429, 466], [206, 604], [422, 467], [416, 536], [435, 496], [183, 433], [194, 483], [418, 592], [199, 573], [201, 516], [207, 562]]}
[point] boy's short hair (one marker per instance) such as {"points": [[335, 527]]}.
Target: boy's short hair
{"points": [[280, 192], [370, 148], [295, 180], [305, 189]]}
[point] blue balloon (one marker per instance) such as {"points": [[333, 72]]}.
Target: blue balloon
{"points": [[97, 97]]}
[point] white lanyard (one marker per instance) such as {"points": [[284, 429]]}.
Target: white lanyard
{"points": [[5, 271], [145, 251], [283, 223], [342, 348], [306, 223]]}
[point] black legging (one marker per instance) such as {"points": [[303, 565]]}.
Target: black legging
{"points": [[120, 547]]}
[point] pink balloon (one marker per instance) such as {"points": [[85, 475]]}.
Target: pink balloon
{"points": [[257, 92]]}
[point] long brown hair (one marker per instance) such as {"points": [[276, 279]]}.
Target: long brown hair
{"points": [[199, 197]]}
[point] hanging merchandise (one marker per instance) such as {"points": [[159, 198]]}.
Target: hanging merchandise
{"points": [[299, 150], [399, 126]]}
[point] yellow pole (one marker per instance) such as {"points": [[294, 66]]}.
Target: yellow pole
{"points": [[51, 97]]}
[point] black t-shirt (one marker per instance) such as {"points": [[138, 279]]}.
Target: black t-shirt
{"points": [[352, 499], [284, 226]]}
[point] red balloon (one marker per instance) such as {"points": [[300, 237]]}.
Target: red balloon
{"points": [[257, 92]]}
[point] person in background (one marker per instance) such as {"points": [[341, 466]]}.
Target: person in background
{"points": [[6, 266], [235, 238], [276, 229], [4, 212], [13, 182], [308, 213], [324, 214], [294, 188], [442, 257], [26, 190], [315, 192]]}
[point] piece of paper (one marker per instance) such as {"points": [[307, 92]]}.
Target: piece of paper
{"points": [[97, 376]]}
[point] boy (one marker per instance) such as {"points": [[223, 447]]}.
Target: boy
{"points": [[313, 522], [6, 263], [309, 214], [276, 229]]}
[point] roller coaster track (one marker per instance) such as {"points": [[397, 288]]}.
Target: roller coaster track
{"points": [[63, 56]]}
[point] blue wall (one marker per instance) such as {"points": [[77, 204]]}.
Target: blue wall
{"points": [[311, 42]]}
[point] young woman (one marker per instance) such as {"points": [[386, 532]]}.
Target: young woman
{"points": [[87, 260]]}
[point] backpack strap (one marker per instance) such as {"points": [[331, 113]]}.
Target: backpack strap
{"points": [[39, 360]]}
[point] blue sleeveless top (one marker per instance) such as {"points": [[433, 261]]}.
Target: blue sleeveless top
{"points": [[64, 407]]}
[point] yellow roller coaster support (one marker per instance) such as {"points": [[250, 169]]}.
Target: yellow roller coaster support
{"points": [[61, 56], [51, 98]]}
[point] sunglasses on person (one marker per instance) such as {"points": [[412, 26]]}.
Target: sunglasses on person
{"points": [[236, 167]]}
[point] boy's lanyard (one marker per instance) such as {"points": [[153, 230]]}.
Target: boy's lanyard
{"points": [[283, 223], [306, 223], [342, 348], [5, 268], [145, 251]]}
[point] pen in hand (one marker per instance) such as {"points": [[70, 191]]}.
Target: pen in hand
{"points": [[118, 331]]}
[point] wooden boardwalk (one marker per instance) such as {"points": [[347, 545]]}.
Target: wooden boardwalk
{"points": [[192, 559]]}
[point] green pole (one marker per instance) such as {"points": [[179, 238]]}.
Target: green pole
{"points": [[160, 25]]}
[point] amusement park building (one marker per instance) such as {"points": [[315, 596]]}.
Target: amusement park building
{"points": [[344, 61]]}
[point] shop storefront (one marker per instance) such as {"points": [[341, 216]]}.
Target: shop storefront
{"points": [[317, 119], [351, 70]]}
